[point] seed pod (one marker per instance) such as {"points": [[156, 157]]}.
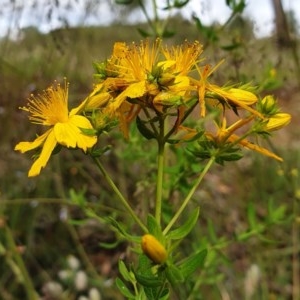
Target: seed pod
{"points": [[154, 249]]}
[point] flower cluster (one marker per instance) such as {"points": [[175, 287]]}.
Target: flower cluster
{"points": [[155, 85]]}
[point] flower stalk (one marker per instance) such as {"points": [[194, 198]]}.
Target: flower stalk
{"points": [[189, 195], [160, 171], [120, 195]]}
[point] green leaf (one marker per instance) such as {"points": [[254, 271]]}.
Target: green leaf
{"points": [[208, 31], [164, 295], [144, 265], [121, 230], [192, 263], [123, 2], [124, 289], [186, 228], [144, 33], [78, 197], [176, 4], [88, 131], [231, 47], [174, 275], [154, 228], [168, 33], [251, 214], [180, 3], [100, 151], [247, 234], [276, 214], [198, 22], [212, 233], [148, 281], [110, 245], [237, 6], [143, 129], [228, 156], [124, 271]]}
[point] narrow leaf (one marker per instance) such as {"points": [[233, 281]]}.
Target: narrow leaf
{"points": [[124, 289], [143, 129], [192, 263], [186, 228], [121, 230], [148, 281], [154, 228], [124, 271], [174, 275]]}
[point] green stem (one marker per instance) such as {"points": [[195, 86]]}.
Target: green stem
{"points": [[148, 18], [82, 253], [119, 195], [27, 282], [156, 19], [159, 182], [189, 196], [160, 170]]}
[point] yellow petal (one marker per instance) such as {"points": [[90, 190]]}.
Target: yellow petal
{"points": [[249, 145], [96, 99], [120, 49], [242, 102], [27, 146], [168, 98], [278, 121], [69, 134], [42, 160], [240, 95], [134, 90], [166, 64]]}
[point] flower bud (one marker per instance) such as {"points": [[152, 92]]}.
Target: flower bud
{"points": [[246, 97], [154, 249], [166, 79], [278, 121], [268, 105]]}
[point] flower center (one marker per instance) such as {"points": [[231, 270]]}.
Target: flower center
{"points": [[49, 108]]}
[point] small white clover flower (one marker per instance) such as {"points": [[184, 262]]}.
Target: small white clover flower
{"points": [[251, 281], [65, 274], [73, 262], [53, 289], [81, 281], [83, 298], [94, 294]]}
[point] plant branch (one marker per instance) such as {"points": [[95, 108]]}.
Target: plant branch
{"points": [[119, 195], [189, 196]]}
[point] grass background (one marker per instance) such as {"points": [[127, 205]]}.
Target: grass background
{"points": [[47, 226]]}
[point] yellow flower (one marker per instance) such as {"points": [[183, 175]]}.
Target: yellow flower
{"points": [[51, 109], [154, 249], [132, 66], [181, 60], [139, 72]]}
